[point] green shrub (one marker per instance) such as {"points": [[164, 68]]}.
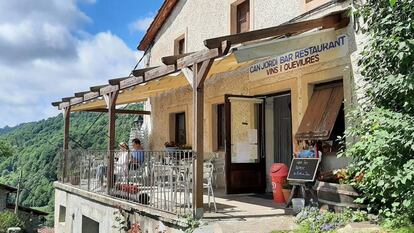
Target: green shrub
{"points": [[384, 156], [9, 219]]}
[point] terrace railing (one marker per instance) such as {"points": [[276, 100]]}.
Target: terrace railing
{"points": [[157, 179]]}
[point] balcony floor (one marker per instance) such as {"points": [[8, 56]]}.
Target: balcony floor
{"points": [[246, 213]]}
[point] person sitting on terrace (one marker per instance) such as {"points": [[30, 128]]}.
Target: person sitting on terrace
{"points": [[121, 164], [137, 153]]}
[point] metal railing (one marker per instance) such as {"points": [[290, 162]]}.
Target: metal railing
{"points": [[158, 179]]}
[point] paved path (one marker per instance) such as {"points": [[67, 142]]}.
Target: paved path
{"points": [[245, 214]]}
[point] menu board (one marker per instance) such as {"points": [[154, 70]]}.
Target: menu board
{"points": [[303, 169]]}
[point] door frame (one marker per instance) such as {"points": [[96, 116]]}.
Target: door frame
{"points": [[261, 165]]}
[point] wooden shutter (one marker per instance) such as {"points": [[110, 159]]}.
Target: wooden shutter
{"points": [[243, 17], [321, 114]]}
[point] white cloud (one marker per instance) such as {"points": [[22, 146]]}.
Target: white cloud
{"points": [[141, 24], [43, 58]]}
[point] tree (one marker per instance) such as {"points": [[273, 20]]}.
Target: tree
{"points": [[9, 219], [384, 126], [5, 149]]}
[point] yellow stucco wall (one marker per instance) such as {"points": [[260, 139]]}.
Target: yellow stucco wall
{"points": [[298, 82]]}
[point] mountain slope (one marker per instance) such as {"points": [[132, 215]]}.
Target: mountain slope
{"points": [[36, 145]]}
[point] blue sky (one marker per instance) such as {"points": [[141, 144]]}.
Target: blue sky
{"points": [[53, 48], [118, 15]]}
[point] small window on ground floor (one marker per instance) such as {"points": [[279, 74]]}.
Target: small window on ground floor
{"points": [[178, 128], [89, 225], [221, 127], [62, 213]]}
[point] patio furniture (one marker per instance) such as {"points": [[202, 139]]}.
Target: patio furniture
{"points": [[219, 168], [208, 182]]}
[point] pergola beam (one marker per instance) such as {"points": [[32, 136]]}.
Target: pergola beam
{"points": [[76, 100], [90, 95], [130, 82], [108, 89], [328, 21], [159, 72], [121, 111]]}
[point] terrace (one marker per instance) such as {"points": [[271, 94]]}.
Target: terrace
{"points": [[170, 184]]}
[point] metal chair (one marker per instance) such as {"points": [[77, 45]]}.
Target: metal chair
{"points": [[208, 170]]}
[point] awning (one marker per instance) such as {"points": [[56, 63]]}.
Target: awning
{"points": [[152, 80], [280, 46], [140, 93], [321, 113]]}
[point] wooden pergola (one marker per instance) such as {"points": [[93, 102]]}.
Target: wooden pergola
{"points": [[195, 67]]}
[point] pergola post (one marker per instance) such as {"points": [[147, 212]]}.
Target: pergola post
{"points": [[200, 71], [66, 118], [110, 100]]}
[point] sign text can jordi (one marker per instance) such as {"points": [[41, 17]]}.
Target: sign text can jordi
{"points": [[321, 52]]}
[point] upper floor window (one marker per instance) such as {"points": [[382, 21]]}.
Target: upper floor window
{"points": [[179, 45], [240, 16]]}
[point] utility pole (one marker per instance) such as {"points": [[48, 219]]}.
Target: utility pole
{"points": [[16, 205]]}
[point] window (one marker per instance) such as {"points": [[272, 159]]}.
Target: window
{"points": [[180, 129], [221, 127], [62, 214], [89, 225], [179, 45], [240, 16]]}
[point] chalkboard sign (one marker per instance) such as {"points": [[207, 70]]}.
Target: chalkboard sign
{"points": [[303, 169]]}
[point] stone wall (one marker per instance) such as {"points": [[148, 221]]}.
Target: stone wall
{"points": [[104, 210]]}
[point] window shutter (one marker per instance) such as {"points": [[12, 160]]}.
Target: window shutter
{"points": [[321, 114]]}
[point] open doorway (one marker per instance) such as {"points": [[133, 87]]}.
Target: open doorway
{"points": [[278, 131]]}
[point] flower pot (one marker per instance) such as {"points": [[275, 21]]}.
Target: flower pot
{"points": [[171, 149], [337, 196], [286, 194]]}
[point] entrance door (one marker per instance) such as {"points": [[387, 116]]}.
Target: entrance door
{"points": [[282, 120], [245, 170]]}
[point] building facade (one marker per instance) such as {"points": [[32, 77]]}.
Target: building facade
{"points": [[261, 101], [218, 18]]}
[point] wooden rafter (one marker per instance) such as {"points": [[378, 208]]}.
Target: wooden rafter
{"points": [[159, 72], [129, 82], [108, 89], [81, 94], [141, 72], [172, 60], [76, 100], [97, 88], [116, 81], [121, 111], [328, 21], [90, 95]]}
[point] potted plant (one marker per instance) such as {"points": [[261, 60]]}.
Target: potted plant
{"points": [[287, 189], [336, 188]]}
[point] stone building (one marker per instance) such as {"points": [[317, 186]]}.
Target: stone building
{"points": [[241, 81], [32, 218]]}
